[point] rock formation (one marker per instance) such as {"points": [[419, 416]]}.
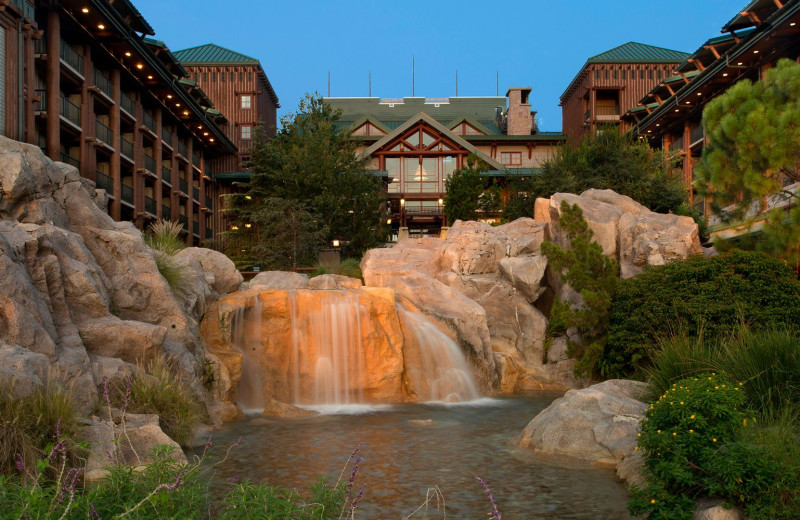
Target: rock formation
{"points": [[493, 288], [81, 296]]}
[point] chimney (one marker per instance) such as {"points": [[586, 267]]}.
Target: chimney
{"points": [[520, 119]]}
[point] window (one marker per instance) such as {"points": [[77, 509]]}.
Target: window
{"points": [[649, 74], [624, 74], [250, 75], [511, 158], [244, 160], [606, 74], [241, 76], [246, 102], [615, 73], [659, 74], [597, 74], [213, 76], [641, 74], [205, 76], [246, 131]]}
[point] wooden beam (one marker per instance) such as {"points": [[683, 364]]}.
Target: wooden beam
{"points": [[671, 92], [778, 3], [713, 50]]}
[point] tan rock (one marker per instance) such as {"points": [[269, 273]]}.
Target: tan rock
{"points": [[130, 341], [597, 424], [651, 238], [525, 273], [710, 509], [22, 369], [524, 236], [280, 280], [414, 254], [473, 248], [219, 271], [601, 217], [623, 202], [333, 282], [541, 210], [276, 408]]}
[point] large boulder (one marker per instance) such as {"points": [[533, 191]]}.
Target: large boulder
{"points": [[208, 274], [655, 239], [601, 217], [473, 248], [333, 282], [598, 424], [279, 280], [525, 273]]}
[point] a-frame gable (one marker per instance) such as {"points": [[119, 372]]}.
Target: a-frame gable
{"points": [[376, 127], [440, 134], [469, 121]]}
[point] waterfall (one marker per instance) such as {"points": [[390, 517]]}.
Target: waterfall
{"points": [[245, 337], [437, 368]]}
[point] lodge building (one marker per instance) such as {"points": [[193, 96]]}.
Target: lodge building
{"points": [[669, 116], [86, 82], [610, 83], [416, 143]]}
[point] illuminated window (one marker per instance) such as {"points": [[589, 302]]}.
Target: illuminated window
{"points": [[247, 102], [247, 131], [511, 158]]}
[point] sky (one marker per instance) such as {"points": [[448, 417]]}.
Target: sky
{"points": [[538, 44]]}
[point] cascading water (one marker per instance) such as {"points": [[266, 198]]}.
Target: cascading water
{"points": [[441, 372], [245, 338]]}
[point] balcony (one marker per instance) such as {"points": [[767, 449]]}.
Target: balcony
{"points": [[72, 161], [196, 194], [103, 133], [150, 164], [70, 111], [150, 205], [166, 136], [677, 145], [696, 135], [103, 83], [127, 194], [209, 234], [103, 181], [166, 174], [196, 159], [166, 213], [196, 228], [149, 121], [127, 104], [71, 57], [208, 202], [182, 149], [606, 113], [126, 147], [185, 221], [184, 186]]}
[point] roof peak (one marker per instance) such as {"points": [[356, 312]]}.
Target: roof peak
{"points": [[640, 52], [212, 53]]}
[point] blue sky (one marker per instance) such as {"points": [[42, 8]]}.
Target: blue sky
{"points": [[534, 43]]}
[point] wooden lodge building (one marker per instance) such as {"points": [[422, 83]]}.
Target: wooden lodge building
{"points": [[85, 82], [669, 116], [417, 142], [610, 83], [240, 89]]}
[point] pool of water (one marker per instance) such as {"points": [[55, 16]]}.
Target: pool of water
{"points": [[410, 448]]}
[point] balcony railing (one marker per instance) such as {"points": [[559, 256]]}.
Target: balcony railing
{"points": [[196, 194], [166, 213], [149, 121], [209, 233], [72, 161], [103, 133], [606, 110], [149, 164], [196, 159], [185, 221], [166, 174], [127, 193], [127, 103], [184, 186], [676, 145], [208, 202], [150, 205], [587, 115], [103, 83], [40, 45], [70, 111], [42, 103], [166, 135], [696, 134], [71, 57], [196, 228], [104, 182], [182, 149], [126, 147]]}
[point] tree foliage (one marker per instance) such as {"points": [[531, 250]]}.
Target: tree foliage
{"points": [[309, 187], [619, 162], [465, 190], [594, 276], [752, 155]]}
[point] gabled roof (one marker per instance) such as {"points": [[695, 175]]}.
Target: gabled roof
{"points": [[422, 116], [634, 52], [367, 119], [212, 54], [472, 122]]}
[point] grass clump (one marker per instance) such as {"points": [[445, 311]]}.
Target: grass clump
{"points": [[164, 238], [27, 424], [157, 389], [348, 267]]}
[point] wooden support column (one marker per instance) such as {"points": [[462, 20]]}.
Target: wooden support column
{"points": [[138, 165], [29, 131], [116, 127], [53, 86], [687, 157], [88, 130], [189, 201], [593, 109], [203, 214], [158, 150]]}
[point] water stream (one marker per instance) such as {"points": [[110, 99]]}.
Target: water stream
{"points": [[409, 448]]}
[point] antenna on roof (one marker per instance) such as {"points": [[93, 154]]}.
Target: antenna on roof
{"points": [[497, 84], [329, 83], [456, 82], [412, 75], [370, 83]]}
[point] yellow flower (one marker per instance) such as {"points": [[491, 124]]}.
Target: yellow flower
{"points": [[636, 448], [693, 417], [659, 431], [681, 403], [714, 439], [744, 422], [691, 431], [638, 434], [723, 386], [653, 501], [674, 434]]}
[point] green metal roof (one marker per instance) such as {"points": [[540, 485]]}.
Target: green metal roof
{"points": [[634, 52], [212, 54]]}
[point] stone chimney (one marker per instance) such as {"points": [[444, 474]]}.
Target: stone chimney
{"points": [[520, 119]]}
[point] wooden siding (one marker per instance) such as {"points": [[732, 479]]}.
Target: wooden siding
{"points": [[227, 98], [631, 90]]}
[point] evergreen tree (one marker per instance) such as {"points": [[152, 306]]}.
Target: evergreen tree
{"points": [[752, 155], [464, 190]]}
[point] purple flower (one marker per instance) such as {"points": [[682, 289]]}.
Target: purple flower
{"points": [[355, 501], [93, 512], [21, 464], [172, 487], [105, 391], [235, 477], [69, 484], [495, 513], [60, 447], [58, 429], [353, 475], [127, 399]]}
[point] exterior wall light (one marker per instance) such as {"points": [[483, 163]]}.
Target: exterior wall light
{"points": [[248, 225], [85, 10], [335, 243], [402, 202], [388, 222]]}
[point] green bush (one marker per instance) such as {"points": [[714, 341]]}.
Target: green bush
{"points": [[157, 389], [165, 236], [348, 267], [695, 444], [706, 296], [28, 425]]}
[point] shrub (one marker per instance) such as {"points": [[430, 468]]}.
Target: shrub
{"points": [[28, 424], [592, 274], [693, 444], [171, 271], [157, 389], [709, 295], [348, 267]]}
